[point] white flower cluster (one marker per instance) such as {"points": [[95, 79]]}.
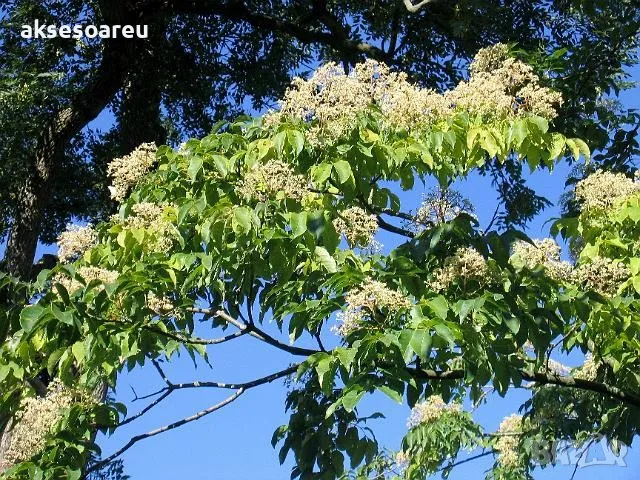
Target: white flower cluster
{"points": [[402, 460], [366, 300], [588, 370], [545, 253], [431, 410], [127, 171], [357, 225], [508, 442], [38, 416], [602, 275], [466, 265], [500, 86], [599, 274], [74, 241], [88, 273], [441, 205], [603, 189], [160, 305], [154, 218], [273, 179]]}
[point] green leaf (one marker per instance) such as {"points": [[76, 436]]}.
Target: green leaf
{"points": [[345, 356], [325, 259], [558, 144], [279, 141], [392, 393], [78, 351], [195, 165], [30, 317], [444, 332], [351, 399], [489, 144], [295, 138], [325, 369], [513, 324], [221, 164], [421, 342], [241, 222], [541, 124], [439, 306], [321, 173], [298, 223], [343, 170]]}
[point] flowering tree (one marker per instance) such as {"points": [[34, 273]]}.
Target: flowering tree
{"points": [[276, 218]]}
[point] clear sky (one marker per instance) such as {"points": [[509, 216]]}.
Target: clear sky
{"points": [[234, 443]]}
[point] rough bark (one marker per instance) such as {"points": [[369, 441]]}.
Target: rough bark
{"points": [[35, 193]]}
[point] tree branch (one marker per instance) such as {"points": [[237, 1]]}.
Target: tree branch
{"points": [[543, 379], [172, 387], [237, 10], [163, 429], [393, 229], [255, 332], [413, 8], [195, 340]]}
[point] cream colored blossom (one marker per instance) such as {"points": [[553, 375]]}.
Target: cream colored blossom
{"points": [[466, 265], [545, 253], [331, 99], [602, 275], [402, 460], [431, 410], [503, 85], [441, 205], [603, 189], [74, 241], [88, 273], [37, 418], [366, 300], [127, 171], [272, 180], [155, 219], [357, 225], [589, 370], [489, 59], [160, 305], [508, 442]]}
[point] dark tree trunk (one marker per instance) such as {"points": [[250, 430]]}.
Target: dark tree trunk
{"points": [[139, 116], [35, 193]]}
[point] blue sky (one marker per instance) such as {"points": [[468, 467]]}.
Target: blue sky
{"points": [[234, 443]]}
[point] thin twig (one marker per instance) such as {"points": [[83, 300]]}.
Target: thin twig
{"points": [[255, 332], [145, 409], [165, 428], [466, 460]]}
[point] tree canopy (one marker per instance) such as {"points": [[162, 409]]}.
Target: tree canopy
{"points": [[275, 218], [207, 60]]}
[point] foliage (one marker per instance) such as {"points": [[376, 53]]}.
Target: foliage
{"points": [[212, 60], [207, 237]]}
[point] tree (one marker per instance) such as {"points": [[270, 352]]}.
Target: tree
{"points": [[204, 58], [274, 218]]}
